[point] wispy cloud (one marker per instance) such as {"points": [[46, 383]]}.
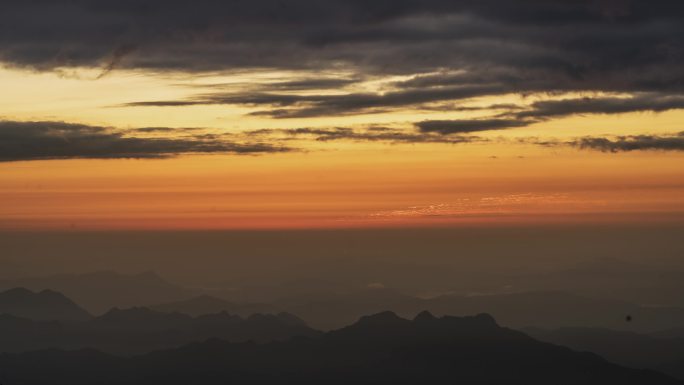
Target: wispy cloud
{"points": [[366, 134]]}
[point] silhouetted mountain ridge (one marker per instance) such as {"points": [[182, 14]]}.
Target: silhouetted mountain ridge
{"points": [[103, 290], [44, 305], [378, 349], [140, 330], [551, 309]]}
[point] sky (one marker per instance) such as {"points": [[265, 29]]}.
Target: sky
{"points": [[309, 114]]}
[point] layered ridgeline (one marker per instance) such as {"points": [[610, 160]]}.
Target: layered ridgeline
{"points": [[327, 306], [46, 305], [206, 304], [140, 330], [378, 349], [100, 291], [546, 309]]}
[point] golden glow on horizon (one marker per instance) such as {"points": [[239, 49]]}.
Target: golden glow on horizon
{"points": [[404, 186], [335, 184]]}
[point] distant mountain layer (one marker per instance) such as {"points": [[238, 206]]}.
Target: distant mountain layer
{"points": [[205, 304], [614, 279], [665, 354], [100, 291], [46, 305], [548, 309], [141, 330], [379, 349]]}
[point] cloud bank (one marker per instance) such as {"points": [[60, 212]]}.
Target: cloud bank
{"points": [[452, 50], [59, 140], [633, 143], [625, 54]]}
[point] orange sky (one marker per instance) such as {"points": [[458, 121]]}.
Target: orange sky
{"points": [[331, 184], [396, 186]]}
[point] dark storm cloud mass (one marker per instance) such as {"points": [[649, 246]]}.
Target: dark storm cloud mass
{"points": [[604, 44], [633, 143], [455, 50], [58, 140]]}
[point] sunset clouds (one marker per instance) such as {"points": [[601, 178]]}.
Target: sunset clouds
{"points": [[451, 51], [433, 97]]}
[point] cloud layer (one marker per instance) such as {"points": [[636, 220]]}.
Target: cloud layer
{"points": [[457, 49], [633, 143], [58, 140], [367, 134], [20, 141], [568, 39], [626, 54]]}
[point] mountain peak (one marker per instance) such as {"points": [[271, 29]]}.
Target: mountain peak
{"points": [[53, 294], [486, 318], [44, 305], [18, 291], [385, 317], [424, 316]]}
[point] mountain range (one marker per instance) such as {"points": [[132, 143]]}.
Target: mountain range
{"points": [[378, 349], [206, 304], [336, 306], [46, 305], [140, 330], [98, 292], [546, 309]]}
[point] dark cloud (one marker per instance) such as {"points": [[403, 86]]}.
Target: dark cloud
{"points": [[456, 49], [299, 106], [603, 105], [152, 130], [289, 82], [311, 84], [563, 40], [674, 142], [288, 105], [58, 140], [368, 134], [632, 143], [471, 125]]}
